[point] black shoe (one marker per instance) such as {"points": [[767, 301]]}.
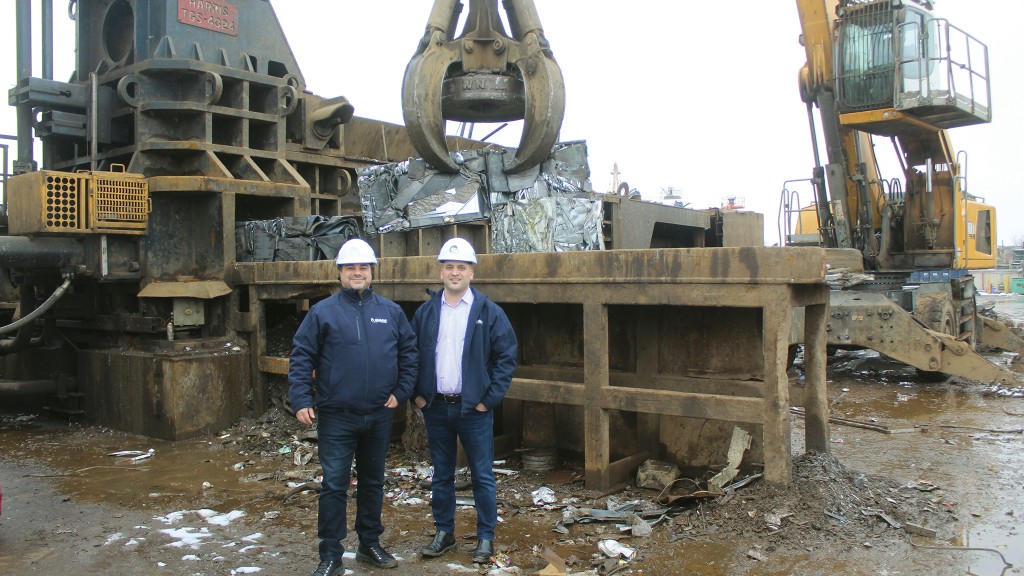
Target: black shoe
{"points": [[484, 552], [442, 542], [329, 568], [375, 554]]}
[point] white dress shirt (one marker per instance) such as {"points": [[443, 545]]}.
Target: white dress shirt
{"points": [[451, 337]]}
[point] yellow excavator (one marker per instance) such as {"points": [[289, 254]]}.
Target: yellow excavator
{"points": [[890, 69]]}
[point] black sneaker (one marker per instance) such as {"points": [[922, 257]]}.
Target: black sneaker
{"points": [[376, 555], [328, 568], [442, 542]]}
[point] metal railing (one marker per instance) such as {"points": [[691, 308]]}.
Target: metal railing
{"points": [[5, 151], [942, 65]]}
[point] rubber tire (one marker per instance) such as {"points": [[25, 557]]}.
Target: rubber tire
{"points": [[936, 311]]}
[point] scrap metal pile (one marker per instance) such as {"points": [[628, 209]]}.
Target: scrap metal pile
{"points": [[549, 208], [293, 238]]}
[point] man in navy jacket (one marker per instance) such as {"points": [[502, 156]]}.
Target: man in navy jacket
{"points": [[358, 351], [467, 353]]}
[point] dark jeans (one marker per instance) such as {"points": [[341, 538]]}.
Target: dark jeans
{"points": [[342, 436], [446, 423]]}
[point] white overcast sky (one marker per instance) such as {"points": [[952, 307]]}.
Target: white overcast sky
{"points": [[700, 97]]}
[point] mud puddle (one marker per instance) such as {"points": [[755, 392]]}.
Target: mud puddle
{"points": [[958, 436]]}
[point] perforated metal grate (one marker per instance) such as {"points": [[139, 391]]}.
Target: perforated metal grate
{"points": [[62, 210]]}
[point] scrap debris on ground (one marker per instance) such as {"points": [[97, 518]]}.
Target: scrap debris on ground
{"points": [[824, 504]]}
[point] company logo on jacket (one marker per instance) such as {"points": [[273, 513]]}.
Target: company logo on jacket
{"points": [[378, 320]]}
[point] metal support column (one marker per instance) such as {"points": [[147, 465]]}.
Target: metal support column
{"points": [[816, 432], [777, 430], [595, 378]]}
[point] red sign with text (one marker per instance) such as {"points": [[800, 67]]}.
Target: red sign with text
{"points": [[209, 14]]}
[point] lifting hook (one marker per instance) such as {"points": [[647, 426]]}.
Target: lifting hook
{"points": [[484, 75]]}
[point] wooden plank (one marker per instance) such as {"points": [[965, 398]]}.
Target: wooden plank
{"points": [[597, 444], [258, 347], [273, 365], [816, 433], [778, 318], [671, 382], [714, 386], [547, 391], [298, 292], [744, 265], [845, 258], [711, 407], [571, 374], [808, 295], [621, 472]]}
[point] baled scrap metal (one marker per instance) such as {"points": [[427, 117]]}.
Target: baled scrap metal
{"points": [[557, 212], [545, 209], [410, 194], [533, 222], [293, 238]]}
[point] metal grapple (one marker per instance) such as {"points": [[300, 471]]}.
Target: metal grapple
{"points": [[484, 75]]}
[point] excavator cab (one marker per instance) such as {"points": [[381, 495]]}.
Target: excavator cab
{"points": [[898, 68]]}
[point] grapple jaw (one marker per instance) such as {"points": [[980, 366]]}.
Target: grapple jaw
{"points": [[484, 75]]}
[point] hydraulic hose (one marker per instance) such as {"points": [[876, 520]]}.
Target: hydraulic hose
{"points": [[42, 309]]}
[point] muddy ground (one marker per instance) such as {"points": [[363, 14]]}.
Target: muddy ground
{"points": [[937, 488]]}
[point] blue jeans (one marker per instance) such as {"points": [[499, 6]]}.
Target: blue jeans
{"points": [[446, 423], [343, 435]]}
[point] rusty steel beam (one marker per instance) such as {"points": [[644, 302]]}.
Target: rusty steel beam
{"points": [[718, 266]]}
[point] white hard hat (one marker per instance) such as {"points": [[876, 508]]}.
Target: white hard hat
{"points": [[356, 251], [458, 250]]}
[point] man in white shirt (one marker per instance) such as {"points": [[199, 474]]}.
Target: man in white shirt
{"points": [[467, 352]]}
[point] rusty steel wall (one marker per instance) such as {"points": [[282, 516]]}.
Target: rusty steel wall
{"points": [[173, 395]]}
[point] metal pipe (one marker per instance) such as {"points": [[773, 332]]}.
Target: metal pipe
{"points": [[821, 203], [3, 190], [94, 121], [23, 15], [42, 309], [523, 18], [929, 193], [931, 223], [47, 33], [21, 252], [443, 16]]}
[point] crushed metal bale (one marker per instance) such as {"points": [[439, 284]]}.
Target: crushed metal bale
{"points": [[550, 208]]}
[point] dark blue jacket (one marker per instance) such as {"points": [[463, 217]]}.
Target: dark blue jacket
{"points": [[488, 355], [361, 349]]}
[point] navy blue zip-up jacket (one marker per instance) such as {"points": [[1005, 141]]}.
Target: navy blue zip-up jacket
{"points": [[488, 356], [361, 348]]}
